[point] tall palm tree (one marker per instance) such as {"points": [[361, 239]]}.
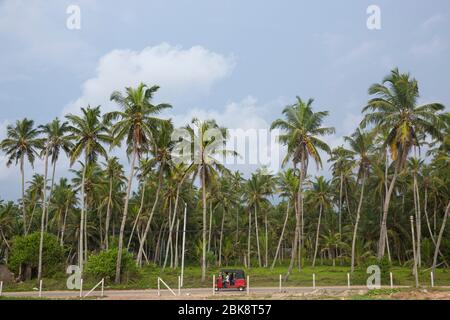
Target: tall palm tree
{"points": [[302, 129], [361, 145], [394, 108], [89, 133], [207, 142], [135, 124], [22, 143]]}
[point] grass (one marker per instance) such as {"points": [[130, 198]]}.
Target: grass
{"points": [[259, 277]]}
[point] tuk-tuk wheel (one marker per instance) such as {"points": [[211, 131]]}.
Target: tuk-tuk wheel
{"points": [[241, 288]]}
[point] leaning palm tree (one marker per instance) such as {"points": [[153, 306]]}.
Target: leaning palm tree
{"points": [[395, 109], [22, 143], [207, 140], [361, 145], [302, 128], [89, 133], [135, 124]]}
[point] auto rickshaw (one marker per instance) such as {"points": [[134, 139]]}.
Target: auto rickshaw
{"points": [[231, 279]]}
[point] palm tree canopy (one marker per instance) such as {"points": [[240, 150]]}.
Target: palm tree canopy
{"points": [[22, 142], [302, 128], [394, 108]]}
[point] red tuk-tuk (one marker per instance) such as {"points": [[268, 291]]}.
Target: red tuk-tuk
{"points": [[231, 279]]}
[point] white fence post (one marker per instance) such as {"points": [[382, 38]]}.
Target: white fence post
{"points": [[432, 279], [1, 288], [40, 288], [81, 288], [348, 280], [179, 285], [280, 282], [159, 289], [103, 287], [214, 284], [392, 280], [248, 285], [314, 281]]}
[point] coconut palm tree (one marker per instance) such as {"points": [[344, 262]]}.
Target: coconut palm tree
{"points": [[136, 123], [22, 143], [89, 133], [207, 145], [394, 108], [301, 131], [361, 145]]}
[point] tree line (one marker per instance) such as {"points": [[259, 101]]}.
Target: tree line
{"points": [[387, 197]]}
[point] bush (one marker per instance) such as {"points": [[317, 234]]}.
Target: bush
{"points": [[103, 265], [25, 253]]}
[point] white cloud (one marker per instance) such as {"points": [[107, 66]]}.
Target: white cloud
{"points": [[431, 48], [181, 73], [356, 53]]}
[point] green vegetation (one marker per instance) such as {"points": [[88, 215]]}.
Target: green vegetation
{"points": [[357, 214]]}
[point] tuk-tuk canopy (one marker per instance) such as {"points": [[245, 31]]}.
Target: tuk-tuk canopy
{"points": [[239, 274]]}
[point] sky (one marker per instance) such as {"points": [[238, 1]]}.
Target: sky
{"points": [[240, 62]]}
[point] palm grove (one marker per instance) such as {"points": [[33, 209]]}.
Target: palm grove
{"points": [[387, 197]]}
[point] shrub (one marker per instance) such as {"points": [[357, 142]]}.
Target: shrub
{"points": [[103, 265], [25, 253]]}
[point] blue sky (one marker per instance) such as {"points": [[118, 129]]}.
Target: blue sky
{"points": [[239, 61]]}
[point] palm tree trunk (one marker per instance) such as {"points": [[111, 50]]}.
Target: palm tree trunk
{"points": [[43, 215], [340, 202], [24, 209], [124, 218], [141, 206], [358, 217], [83, 208], [63, 228], [418, 222], [169, 238], [210, 225], [298, 217], [257, 238], [203, 186], [266, 262], [149, 221], [383, 229], [415, 271], [108, 214], [281, 237], [221, 238], [249, 237], [441, 233], [317, 237]]}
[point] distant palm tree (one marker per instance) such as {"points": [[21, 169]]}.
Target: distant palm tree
{"points": [[135, 124], [361, 145], [320, 196], [302, 128], [113, 172], [89, 133], [395, 109], [342, 163], [22, 142], [288, 187]]}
